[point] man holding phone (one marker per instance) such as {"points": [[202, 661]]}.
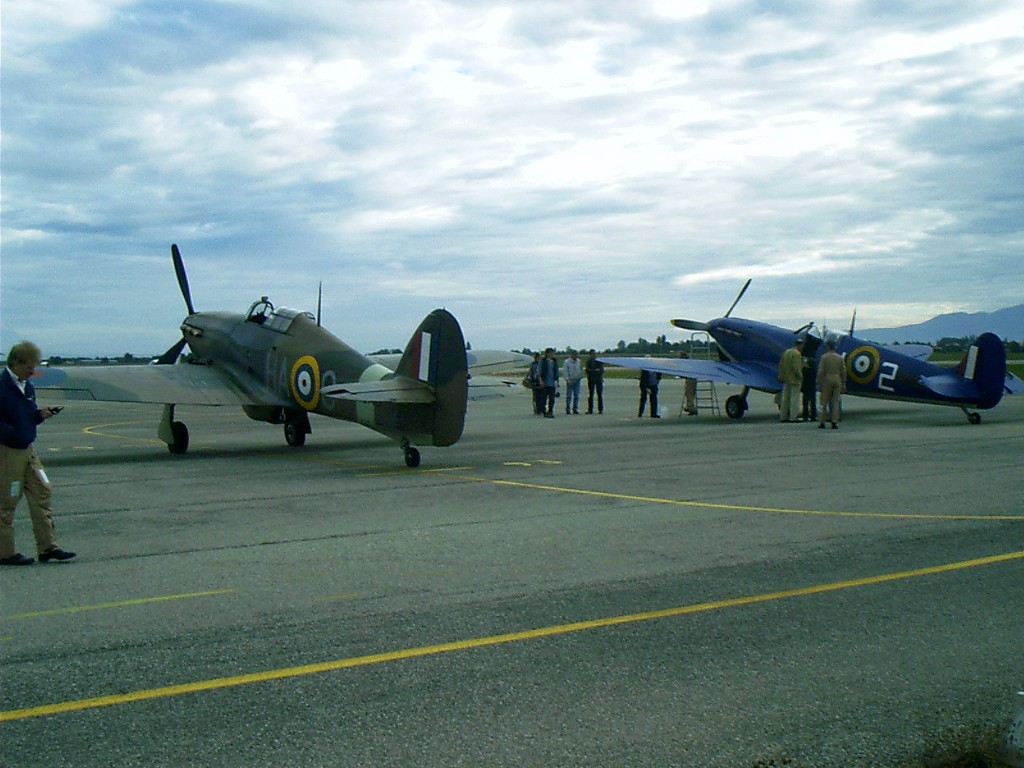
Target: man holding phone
{"points": [[21, 472]]}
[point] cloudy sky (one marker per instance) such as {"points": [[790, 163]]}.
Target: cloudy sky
{"points": [[564, 173]]}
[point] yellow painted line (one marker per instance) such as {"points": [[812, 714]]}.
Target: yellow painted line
{"points": [[731, 507], [95, 431], [491, 640], [118, 604]]}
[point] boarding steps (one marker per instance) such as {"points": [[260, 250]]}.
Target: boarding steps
{"points": [[706, 399]]}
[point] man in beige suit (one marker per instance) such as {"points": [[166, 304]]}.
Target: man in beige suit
{"points": [[832, 383], [791, 376]]}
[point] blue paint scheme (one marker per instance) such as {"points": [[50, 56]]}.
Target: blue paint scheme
{"points": [[750, 352]]}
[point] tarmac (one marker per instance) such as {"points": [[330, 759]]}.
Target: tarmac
{"points": [[589, 590]]}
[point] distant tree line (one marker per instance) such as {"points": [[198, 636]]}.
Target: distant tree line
{"points": [[660, 346]]}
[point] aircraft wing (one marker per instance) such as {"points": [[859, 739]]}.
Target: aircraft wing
{"points": [[751, 374], [183, 384], [494, 360], [485, 387], [916, 351]]}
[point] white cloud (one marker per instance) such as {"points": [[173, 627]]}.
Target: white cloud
{"points": [[609, 163]]}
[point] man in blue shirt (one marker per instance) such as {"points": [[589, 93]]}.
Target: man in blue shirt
{"points": [[21, 472]]}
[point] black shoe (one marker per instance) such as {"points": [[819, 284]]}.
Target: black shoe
{"points": [[821, 426], [55, 553], [17, 559], [834, 425]]}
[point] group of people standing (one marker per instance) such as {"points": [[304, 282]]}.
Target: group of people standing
{"points": [[543, 379], [798, 374]]}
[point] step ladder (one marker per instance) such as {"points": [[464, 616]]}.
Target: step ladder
{"points": [[706, 398]]}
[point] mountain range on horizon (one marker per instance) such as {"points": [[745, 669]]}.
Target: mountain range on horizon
{"points": [[1006, 323]]}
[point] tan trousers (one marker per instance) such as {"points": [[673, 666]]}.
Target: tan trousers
{"points": [[789, 409], [831, 393], [21, 473]]}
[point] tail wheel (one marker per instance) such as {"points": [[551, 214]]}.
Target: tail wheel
{"points": [[735, 407], [974, 417]]}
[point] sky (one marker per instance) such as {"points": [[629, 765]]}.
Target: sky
{"points": [[554, 173]]}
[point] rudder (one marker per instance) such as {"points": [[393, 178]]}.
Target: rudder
{"points": [[985, 365], [436, 354]]}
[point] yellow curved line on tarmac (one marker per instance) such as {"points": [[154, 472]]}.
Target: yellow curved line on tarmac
{"points": [[492, 640], [733, 507], [118, 604], [94, 431]]}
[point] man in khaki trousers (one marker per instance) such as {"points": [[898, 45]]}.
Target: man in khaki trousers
{"points": [[832, 382], [21, 472]]}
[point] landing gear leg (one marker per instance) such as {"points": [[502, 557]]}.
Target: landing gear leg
{"points": [[296, 427], [172, 432], [412, 456]]}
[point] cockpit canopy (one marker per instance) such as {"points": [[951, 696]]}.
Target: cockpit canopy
{"points": [[279, 319]]}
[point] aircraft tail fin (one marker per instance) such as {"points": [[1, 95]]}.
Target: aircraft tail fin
{"points": [[436, 354], [985, 365]]}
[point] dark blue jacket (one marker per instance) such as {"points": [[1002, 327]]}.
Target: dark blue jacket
{"points": [[19, 413]]}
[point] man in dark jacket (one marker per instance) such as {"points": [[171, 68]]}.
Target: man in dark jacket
{"points": [[547, 376], [595, 382], [21, 472], [649, 388]]}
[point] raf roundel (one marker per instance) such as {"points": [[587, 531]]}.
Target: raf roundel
{"points": [[305, 382], [862, 364]]}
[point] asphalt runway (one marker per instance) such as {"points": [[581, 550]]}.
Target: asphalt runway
{"points": [[593, 590]]}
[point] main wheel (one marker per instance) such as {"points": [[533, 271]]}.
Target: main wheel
{"points": [[179, 433], [294, 434], [412, 457], [735, 407], [974, 417]]}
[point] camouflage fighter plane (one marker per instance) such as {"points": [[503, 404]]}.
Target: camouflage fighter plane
{"points": [[280, 366]]}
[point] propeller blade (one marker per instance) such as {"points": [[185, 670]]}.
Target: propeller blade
{"points": [[742, 291], [319, 302], [691, 325], [853, 320], [170, 357], [179, 270]]}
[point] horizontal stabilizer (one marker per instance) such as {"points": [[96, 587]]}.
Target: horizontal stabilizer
{"points": [[1013, 385], [396, 390], [952, 386]]}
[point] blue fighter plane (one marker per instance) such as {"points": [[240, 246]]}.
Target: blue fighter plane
{"points": [[749, 353]]}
